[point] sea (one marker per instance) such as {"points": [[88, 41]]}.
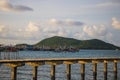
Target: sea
{"points": [[25, 72]]}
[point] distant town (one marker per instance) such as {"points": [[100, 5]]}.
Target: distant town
{"points": [[25, 47]]}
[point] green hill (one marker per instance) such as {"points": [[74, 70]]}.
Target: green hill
{"points": [[56, 42]]}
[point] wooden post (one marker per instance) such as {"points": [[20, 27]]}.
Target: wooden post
{"points": [[68, 71], [115, 70], [35, 72], [52, 72], [82, 71], [105, 70], [94, 71], [14, 73]]}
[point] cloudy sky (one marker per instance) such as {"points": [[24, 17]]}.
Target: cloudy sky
{"points": [[29, 21]]}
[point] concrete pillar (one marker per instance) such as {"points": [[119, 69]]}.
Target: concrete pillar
{"points": [[94, 71], [82, 71], [35, 67], [115, 70], [14, 73], [68, 68], [14, 69], [105, 70], [52, 74], [68, 71], [34, 72], [53, 64]]}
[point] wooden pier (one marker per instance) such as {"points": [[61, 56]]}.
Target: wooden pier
{"points": [[35, 63]]}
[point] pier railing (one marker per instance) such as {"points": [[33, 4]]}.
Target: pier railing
{"points": [[57, 61], [9, 55]]}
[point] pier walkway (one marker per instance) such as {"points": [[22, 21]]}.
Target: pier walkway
{"points": [[35, 63]]}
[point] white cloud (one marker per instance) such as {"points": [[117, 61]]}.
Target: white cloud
{"points": [[7, 6], [66, 22], [29, 32], [80, 35], [3, 31], [34, 32], [54, 31], [32, 27], [2, 27], [73, 23], [54, 21], [115, 23], [95, 31]]}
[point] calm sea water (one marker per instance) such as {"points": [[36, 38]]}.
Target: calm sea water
{"points": [[25, 72]]}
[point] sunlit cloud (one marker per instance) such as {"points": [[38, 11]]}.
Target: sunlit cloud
{"points": [[80, 35], [7, 6], [115, 23], [3, 31], [95, 30], [54, 21], [36, 31], [2, 27], [32, 27]]}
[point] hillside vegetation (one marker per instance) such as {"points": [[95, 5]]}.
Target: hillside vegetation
{"points": [[56, 42]]}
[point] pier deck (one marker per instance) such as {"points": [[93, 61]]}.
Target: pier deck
{"points": [[35, 63]]}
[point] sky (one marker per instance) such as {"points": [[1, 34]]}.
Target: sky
{"points": [[30, 21]]}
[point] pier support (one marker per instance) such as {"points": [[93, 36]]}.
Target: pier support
{"points": [[35, 72], [115, 70], [82, 71], [14, 73], [53, 65], [0, 55], [68, 68], [52, 73], [35, 67], [14, 69], [105, 70], [68, 71], [94, 71]]}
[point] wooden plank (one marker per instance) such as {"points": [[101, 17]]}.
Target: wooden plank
{"points": [[14, 64], [54, 62], [69, 62], [95, 61], [82, 62], [35, 63], [59, 59]]}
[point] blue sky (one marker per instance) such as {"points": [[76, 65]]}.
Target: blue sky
{"points": [[29, 21]]}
